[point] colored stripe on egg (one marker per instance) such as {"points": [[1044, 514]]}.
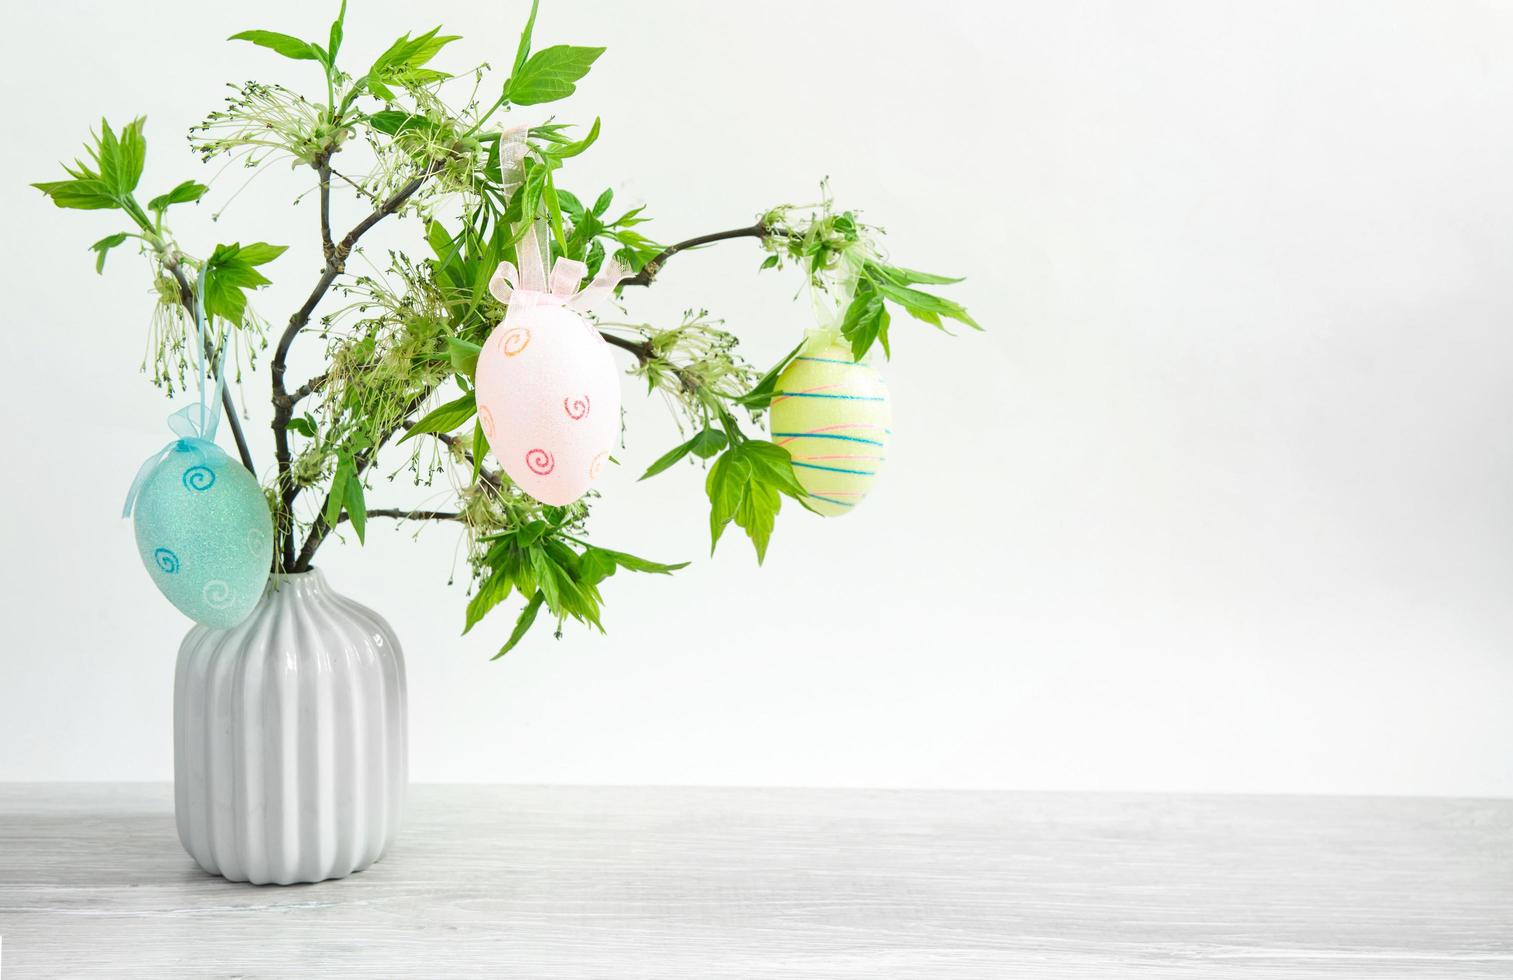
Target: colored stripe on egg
{"points": [[779, 396], [836, 469], [790, 436]]}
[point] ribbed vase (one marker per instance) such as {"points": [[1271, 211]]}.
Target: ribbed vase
{"points": [[289, 738]]}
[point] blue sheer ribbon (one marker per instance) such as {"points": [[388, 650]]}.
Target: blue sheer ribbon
{"points": [[194, 425]]}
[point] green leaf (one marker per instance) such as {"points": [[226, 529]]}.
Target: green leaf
{"points": [[130, 156], [186, 192], [523, 50], [336, 499], [304, 425], [773, 465], [924, 306], [530, 534], [260, 253], [117, 167], [708, 442], [565, 594], [333, 43], [631, 563], [746, 485], [562, 151], [392, 122], [760, 396], [550, 74], [494, 590], [105, 245], [289, 47], [523, 624], [410, 52], [757, 515], [356, 505], [725, 485], [863, 319], [904, 276], [667, 459], [229, 271], [602, 202], [83, 195], [445, 418], [769, 262], [480, 446], [463, 355]]}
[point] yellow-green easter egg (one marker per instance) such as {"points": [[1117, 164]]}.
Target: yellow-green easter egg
{"points": [[833, 416]]}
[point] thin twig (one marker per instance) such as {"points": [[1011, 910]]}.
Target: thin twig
{"points": [[309, 388], [408, 515], [654, 265]]}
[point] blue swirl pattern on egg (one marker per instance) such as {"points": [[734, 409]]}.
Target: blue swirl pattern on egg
{"points": [[204, 533]]}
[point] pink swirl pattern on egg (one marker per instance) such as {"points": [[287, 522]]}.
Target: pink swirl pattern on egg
{"points": [[597, 466], [540, 462], [576, 408], [486, 421]]}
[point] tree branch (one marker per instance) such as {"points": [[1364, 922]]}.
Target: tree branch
{"points": [[323, 167], [642, 349], [408, 515], [654, 265], [283, 404]]}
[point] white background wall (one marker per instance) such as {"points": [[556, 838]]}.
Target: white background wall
{"points": [[1222, 501]]}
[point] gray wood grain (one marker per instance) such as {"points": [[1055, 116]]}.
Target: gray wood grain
{"points": [[623, 882]]}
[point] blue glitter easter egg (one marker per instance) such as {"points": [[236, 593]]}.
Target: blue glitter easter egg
{"points": [[204, 533]]}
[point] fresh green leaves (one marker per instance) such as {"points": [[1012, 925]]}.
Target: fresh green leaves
{"points": [[108, 180], [464, 356], [231, 270], [404, 61], [105, 245], [445, 418], [347, 495], [333, 41], [539, 561], [839, 253], [187, 192], [866, 320], [523, 49], [760, 396], [523, 624], [746, 485], [301, 50], [284, 44], [706, 442], [550, 74]]}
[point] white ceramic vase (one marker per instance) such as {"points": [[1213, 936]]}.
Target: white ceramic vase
{"points": [[289, 738]]}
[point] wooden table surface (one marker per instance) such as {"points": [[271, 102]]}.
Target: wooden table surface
{"points": [[534, 882]]}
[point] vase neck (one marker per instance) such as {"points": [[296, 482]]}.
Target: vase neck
{"points": [[298, 585]]}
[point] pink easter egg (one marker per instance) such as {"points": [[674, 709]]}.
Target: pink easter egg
{"points": [[549, 402]]}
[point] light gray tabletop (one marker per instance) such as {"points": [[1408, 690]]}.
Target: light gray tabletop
{"points": [[534, 882]]}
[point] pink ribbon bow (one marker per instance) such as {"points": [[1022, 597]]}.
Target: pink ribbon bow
{"points": [[530, 285]]}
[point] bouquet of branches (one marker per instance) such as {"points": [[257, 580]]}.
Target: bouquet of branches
{"points": [[429, 367]]}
